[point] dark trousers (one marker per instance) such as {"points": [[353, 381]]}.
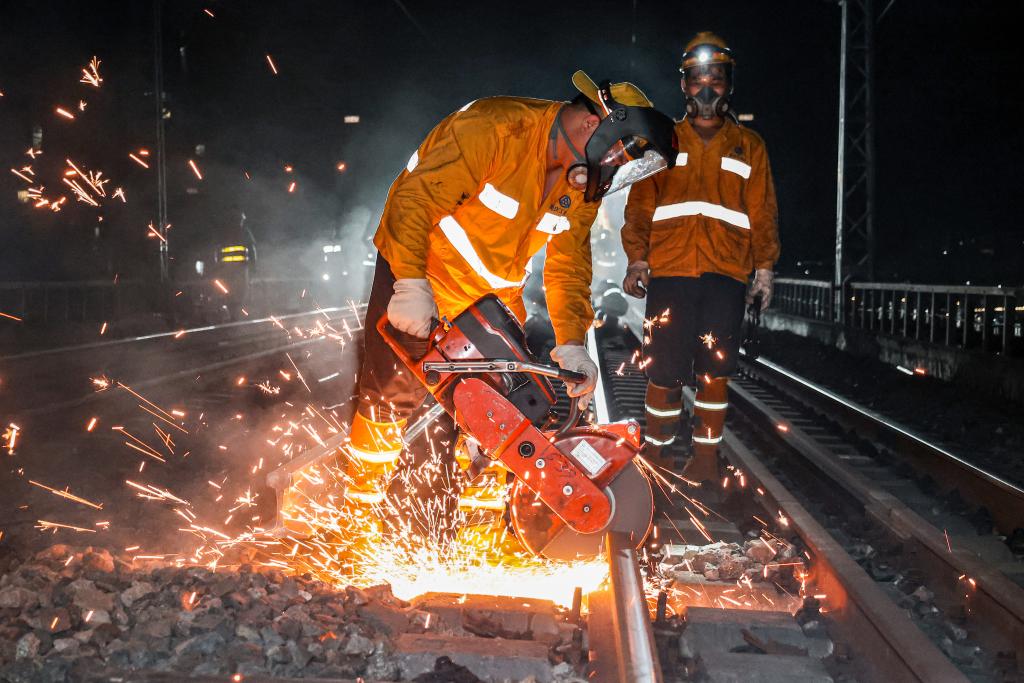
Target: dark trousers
{"points": [[696, 306], [387, 390]]}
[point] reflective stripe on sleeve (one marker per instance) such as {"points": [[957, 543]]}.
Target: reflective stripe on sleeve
{"points": [[467, 106], [499, 203], [460, 240], [552, 224], [657, 412], [707, 439], [375, 457], [682, 158], [736, 166], [707, 405], [737, 218], [414, 160]]}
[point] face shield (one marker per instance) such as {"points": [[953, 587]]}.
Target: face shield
{"points": [[630, 144]]}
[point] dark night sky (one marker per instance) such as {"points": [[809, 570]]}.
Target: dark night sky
{"points": [[947, 141]]}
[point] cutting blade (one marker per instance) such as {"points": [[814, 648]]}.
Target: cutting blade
{"points": [[543, 533]]}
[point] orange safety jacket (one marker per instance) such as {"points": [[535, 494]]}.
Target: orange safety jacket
{"points": [[715, 212], [469, 211]]}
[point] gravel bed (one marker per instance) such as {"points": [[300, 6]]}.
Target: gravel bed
{"points": [[81, 614]]}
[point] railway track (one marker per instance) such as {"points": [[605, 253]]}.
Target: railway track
{"points": [[881, 513], [913, 513], [904, 582]]}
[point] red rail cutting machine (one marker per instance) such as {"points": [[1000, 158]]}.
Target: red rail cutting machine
{"points": [[572, 484]]}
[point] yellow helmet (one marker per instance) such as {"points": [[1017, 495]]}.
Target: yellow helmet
{"points": [[706, 48]]}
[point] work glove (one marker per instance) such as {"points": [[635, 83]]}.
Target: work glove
{"points": [[763, 285], [412, 309], [638, 274], [574, 357]]}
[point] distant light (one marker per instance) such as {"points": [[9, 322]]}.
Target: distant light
{"points": [[332, 248], [745, 117], [341, 166], [352, 118], [200, 267], [288, 168], [326, 277]]}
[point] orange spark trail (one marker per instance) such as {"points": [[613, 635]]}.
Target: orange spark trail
{"points": [[65, 113], [195, 169], [91, 73], [137, 160], [273, 67], [8, 315], [44, 525], [220, 286], [67, 494]]}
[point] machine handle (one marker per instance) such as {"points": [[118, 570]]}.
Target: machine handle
{"points": [[403, 354]]}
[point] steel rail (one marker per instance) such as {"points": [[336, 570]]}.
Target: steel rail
{"points": [[886, 643], [186, 373], [1003, 499], [164, 335], [994, 605]]}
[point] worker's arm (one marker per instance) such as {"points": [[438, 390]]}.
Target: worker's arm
{"points": [[461, 150], [636, 236], [759, 198], [567, 274], [636, 231]]}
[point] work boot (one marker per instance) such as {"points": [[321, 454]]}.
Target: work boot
{"points": [[664, 409], [709, 407], [372, 457]]}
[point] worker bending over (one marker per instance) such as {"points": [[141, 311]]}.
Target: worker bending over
{"points": [[493, 184]]}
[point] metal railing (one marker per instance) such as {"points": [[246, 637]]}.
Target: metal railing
{"points": [[988, 319]]}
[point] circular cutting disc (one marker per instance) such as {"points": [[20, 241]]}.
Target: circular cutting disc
{"points": [[542, 532]]}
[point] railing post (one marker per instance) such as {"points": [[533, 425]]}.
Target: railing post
{"points": [[965, 311], [931, 320]]}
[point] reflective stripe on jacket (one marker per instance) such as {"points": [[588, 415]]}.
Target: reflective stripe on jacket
{"points": [[714, 212], [468, 213]]}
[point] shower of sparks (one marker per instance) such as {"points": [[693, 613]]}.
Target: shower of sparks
{"points": [[708, 340], [195, 169], [91, 73], [273, 67]]}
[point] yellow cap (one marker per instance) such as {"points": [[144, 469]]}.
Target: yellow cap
{"points": [[623, 93]]}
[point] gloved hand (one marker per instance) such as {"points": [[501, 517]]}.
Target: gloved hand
{"points": [[763, 285], [412, 309], [575, 357], [638, 274]]}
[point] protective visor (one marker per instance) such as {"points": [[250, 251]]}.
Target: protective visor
{"points": [[630, 144]]}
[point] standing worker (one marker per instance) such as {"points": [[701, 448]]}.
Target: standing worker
{"points": [[492, 185], [692, 237]]}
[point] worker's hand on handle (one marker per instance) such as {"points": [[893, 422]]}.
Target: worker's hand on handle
{"points": [[412, 309], [574, 357], [638, 274], [763, 284]]}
